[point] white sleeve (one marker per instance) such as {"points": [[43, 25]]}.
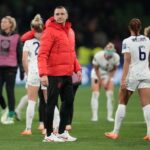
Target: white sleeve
{"points": [[94, 61], [26, 46], [125, 47], [117, 60]]}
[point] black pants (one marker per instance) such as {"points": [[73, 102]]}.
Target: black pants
{"points": [[2, 100], [42, 106], [75, 87], [59, 84], [8, 76]]}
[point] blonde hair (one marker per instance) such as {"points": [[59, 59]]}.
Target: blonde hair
{"points": [[12, 21], [37, 23]]}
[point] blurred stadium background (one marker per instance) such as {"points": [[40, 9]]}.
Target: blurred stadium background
{"points": [[95, 22]]}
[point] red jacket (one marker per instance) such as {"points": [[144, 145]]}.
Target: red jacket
{"points": [[56, 56]]}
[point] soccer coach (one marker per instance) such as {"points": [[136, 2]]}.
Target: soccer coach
{"points": [[56, 62]]}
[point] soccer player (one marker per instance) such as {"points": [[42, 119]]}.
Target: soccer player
{"points": [[136, 75], [30, 51], [105, 64]]}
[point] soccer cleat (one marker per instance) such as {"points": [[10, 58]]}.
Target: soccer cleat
{"points": [[111, 135], [94, 119], [52, 138], [67, 137], [147, 137], [9, 120], [4, 115], [110, 119], [26, 132]]}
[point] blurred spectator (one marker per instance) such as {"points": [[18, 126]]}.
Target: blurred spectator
{"points": [[10, 60]]}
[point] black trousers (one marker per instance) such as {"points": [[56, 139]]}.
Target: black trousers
{"points": [[42, 105], [8, 76], [75, 87], [57, 85]]}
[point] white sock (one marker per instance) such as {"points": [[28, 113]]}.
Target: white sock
{"points": [[109, 95], [146, 111], [94, 104], [30, 114], [56, 118], [120, 114], [23, 101]]}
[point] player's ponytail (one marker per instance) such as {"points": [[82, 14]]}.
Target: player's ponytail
{"points": [[37, 23], [135, 26]]}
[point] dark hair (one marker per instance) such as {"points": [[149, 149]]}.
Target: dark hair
{"points": [[61, 7], [135, 25]]}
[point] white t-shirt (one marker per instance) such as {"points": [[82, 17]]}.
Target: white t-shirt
{"points": [[32, 46], [139, 48], [105, 66]]}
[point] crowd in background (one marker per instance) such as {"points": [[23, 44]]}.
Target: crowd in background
{"points": [[95, 21]]}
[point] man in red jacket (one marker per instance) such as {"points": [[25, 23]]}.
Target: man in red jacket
{"points": [[56, 62]]}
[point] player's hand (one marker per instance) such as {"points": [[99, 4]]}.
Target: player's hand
{"points": [[44, 81]]}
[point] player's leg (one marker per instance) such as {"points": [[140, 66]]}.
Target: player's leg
{"points": [[56, 120], [22, 103], [144, 93], [109, 95], [32, 96], [124, 96], [94, 98]]}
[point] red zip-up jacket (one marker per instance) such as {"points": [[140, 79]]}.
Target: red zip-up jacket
{"points": [[56, 56]]}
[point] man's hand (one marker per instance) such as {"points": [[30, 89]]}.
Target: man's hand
{"points": [[44, 81], [79, 74], [21, 75]]}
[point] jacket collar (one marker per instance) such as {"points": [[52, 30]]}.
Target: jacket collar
{"points": [[52, 23]]}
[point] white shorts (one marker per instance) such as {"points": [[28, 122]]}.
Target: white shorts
{"points": [[132, 85], [103, 76], [33, 78]]}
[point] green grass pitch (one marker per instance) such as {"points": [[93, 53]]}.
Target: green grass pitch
{"points": [[90, 135]]}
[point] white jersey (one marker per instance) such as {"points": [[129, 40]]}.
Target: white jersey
{"points": [[105, 66], [31, 46], [139, 48]]}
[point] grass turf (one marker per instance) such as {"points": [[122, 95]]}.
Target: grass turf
{"points": [[90, 134]]}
